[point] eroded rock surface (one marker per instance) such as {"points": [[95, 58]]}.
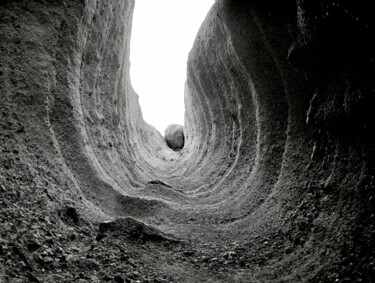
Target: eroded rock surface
{"points": [[174, 136], [276, 179]]}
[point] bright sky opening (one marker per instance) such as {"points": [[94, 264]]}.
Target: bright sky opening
{"points": [[163, 33]]}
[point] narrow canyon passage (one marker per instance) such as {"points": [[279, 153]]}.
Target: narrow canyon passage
{"points": [[275, 182]]}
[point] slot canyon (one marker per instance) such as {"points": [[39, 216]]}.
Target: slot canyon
{"points": [[275, 182]]}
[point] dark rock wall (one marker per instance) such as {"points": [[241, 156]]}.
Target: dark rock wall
{"points": [[306, 93], [278, 119]]}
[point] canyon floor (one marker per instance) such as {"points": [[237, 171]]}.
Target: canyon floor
{"points": [[42, 243]]}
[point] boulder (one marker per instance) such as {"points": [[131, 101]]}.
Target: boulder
{"points": [[174, 136]]}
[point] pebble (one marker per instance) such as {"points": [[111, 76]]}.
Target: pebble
{"points": [[135, 273], [47, 259]]}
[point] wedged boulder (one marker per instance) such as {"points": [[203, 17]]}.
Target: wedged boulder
{"points": [[174, 136]]}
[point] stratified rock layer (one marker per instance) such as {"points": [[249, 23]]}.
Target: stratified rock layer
{"points": [[276, 179], [174, 136]]}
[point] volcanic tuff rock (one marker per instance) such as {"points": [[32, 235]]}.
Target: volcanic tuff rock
{"points": [[276, 179], [174, 136]]}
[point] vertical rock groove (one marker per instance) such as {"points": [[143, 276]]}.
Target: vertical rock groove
{"points": [[278, 153]]}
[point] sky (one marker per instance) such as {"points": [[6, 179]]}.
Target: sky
{"points": [[163, 32]]}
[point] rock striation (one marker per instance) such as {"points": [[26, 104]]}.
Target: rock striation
{"points": [[174, 136], [276, 179]]}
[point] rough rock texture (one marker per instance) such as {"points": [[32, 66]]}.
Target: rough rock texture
{"points": [[276, 179], [174, 136]]}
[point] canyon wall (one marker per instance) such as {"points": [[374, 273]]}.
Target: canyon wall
{"points": [[278, 154]]}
